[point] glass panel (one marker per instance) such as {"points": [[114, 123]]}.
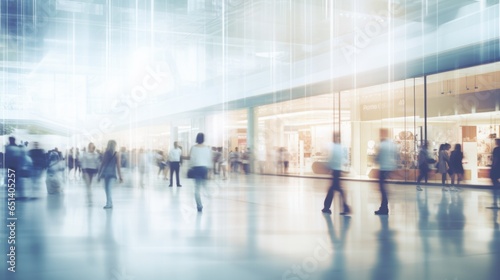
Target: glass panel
{"points": [[463, 109]]}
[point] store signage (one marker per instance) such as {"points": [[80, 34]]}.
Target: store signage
{"points": [[375, 109], [467, 103]]}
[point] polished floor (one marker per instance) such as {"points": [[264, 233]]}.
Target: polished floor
{"points": [[253, 227]]}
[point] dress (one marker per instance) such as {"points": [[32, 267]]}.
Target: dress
{"points": [[495, 167], [456, 166]]}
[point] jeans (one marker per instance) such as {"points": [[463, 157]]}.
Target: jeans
{"points": [[109, 182], [174, 168], [200, 180], [423, 172], [335, 186], [381, 182]]}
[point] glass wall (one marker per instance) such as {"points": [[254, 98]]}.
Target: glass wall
{"points": [[462, 106], [293, 137]]}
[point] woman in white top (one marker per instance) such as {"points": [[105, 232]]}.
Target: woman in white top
{"points": [[200, 159], [90, 164]]}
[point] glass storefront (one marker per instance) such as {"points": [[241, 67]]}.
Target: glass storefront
{"points": [[292, 137], [462, 107]]}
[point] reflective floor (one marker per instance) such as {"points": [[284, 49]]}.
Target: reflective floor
{"points": [[253, 227]]}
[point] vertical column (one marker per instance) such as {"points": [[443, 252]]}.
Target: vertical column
{"points": [[251, 133], [425, 108], [251, 128], [174, 134], [358, 157]]}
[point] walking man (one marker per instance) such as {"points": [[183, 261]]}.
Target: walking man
{"points": [[174, 158], [387, 160], [335, 163]]}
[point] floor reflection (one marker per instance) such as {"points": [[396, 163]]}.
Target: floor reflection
{"points": [[338, 236], [254, 227], [387, 264]]}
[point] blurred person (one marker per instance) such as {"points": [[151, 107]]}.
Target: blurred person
{"points": [[162, 164], [456, 170], [59, 153], [286, 160], [78, 166], [142, 165], [280, 159], [443, 164], [246, 160], [109, 170], [233, 159], [124, 158], [133, 159], [200, 160], [175, 159], [386, 157], [39, 159], [12, 156], [241, 154], [215, 160], [55, 173], [495, 174], [424, 160], [70, 162], [222, 163], [125, 164], [336, 161], [90, 164], [14, 163]]}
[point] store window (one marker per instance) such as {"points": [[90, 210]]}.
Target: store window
{"points": [[462, 106], [464, 109]]}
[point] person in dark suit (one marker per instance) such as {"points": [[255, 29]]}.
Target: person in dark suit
{"points": [[174, 160], [423, 164], [39, 159], [495, 173]]}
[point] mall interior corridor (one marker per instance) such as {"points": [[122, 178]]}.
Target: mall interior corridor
{"points": [[254, 227]]}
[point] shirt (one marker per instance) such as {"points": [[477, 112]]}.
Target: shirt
{"points": [[336, 159], [90, 160], [387, 156], [175, 155], [200, 156]]}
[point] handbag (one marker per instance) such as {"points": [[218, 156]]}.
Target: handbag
{"points": [[191, 173]]}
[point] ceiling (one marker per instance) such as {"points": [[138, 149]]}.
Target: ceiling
{"points": [[66, 61]]}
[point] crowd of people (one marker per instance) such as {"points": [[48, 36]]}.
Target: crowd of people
{"points": [[447, 164], [120, 165], [32, 164]]}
